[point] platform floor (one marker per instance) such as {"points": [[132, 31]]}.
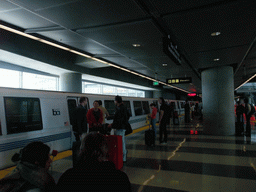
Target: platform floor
{"points": [[189, 161]]}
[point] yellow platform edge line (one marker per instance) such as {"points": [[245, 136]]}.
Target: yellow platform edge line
{"points": [[64, 154]]}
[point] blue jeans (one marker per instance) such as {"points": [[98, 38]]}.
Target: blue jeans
{"points": [[153, 122], [121, 132]]}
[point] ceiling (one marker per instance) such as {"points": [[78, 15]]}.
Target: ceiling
{"points": [[107, 29]]}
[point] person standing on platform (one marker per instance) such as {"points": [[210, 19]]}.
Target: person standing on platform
{"points": [[120, 122], [153, 116], [247, 116], [105, 115], [95, 117], [79, 124], [187, 112], [163, 120], [239, 112]]}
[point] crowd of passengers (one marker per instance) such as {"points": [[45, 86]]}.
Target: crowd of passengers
{"points": [[92, 170]]}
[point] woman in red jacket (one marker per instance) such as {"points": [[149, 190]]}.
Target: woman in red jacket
{"points": [[95, 117]]}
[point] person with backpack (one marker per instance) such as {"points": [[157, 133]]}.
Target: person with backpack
{"points": [[249, 111]]}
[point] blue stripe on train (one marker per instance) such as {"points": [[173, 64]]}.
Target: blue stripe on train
{"points": [[23, 143], [45, 139]]}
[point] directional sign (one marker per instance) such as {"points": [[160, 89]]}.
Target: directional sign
{"points": [[171, 50], [179, 80]]}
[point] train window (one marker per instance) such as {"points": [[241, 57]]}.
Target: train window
{"points": [[137, 108], [127, 104], [182, 104], [110, 106], [145, 105], [178, 105], [173, 104], [22, 114]]}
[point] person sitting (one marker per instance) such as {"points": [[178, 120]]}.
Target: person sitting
{"points": [[95, 117], [94, 172], [31, 172]]}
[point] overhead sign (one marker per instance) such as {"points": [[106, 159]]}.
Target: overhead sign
{"points": [[155, 83], [179, 80], [191, 94], [171, 50]]}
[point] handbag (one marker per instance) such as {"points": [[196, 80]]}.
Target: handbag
{"points": [[128, 129]]}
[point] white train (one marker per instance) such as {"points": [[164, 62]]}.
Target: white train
{"points": [[31, 115]]}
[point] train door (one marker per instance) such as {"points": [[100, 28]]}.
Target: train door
{"points": [[72, 104]]}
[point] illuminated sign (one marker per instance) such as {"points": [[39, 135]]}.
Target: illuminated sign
{"points": [[191, 94], [155, 83], [179, 80], [171, 50]]}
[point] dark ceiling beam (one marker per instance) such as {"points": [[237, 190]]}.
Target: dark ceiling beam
{"points": [[99, 27], [44, 29], [200, 8], [160, 24]]}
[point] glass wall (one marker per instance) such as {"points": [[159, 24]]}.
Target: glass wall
{"points": [[96, 88], [35, 81], [19, 79], [9, 78]]}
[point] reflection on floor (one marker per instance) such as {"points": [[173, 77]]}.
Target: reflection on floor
{"points": [[189, 161]]}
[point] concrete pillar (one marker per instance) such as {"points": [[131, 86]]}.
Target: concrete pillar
{"points": [[71, 82], [218, 101], [157, 94]]}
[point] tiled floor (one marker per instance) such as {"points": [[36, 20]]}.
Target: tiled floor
{"points": [[189, 161]]}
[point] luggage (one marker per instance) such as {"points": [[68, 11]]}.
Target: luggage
{"points": [[239, 128], [115, 148], [75, 152], [150, 137]]}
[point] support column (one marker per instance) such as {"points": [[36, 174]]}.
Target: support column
{"points": [[157, 94], [218, 101], [71, 82]]}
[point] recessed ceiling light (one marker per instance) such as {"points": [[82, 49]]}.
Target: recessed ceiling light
{"points": [[136, 45], [217, 59], [164, 64], [215, 34]]}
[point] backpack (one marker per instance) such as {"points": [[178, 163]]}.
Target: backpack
{"points": [[252, 110]]}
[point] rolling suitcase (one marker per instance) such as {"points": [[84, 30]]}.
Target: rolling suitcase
{"points": [[150, 137], [115, 150]]}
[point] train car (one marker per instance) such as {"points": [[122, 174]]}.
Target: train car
{"points": [[33, 115]]}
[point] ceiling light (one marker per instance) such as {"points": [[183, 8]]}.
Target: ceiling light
{"points": [[215, 34], [217, 59], [136, 45], [164, 64]]}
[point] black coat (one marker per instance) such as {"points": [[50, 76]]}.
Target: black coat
{"points": [[94, 177], [121, 118], [79, 120]]}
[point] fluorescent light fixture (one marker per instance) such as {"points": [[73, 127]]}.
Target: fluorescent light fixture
{"points": [[217, 59], [164, 64], [215, 34], [136, 45], [85, 55], [246, 81]]}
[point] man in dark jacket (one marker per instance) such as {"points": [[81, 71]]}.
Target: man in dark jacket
{"points": [[120, 122], [79, 119]]}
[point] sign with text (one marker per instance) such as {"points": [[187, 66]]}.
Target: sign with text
{"points": [[179, 80], [171, 50]]}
